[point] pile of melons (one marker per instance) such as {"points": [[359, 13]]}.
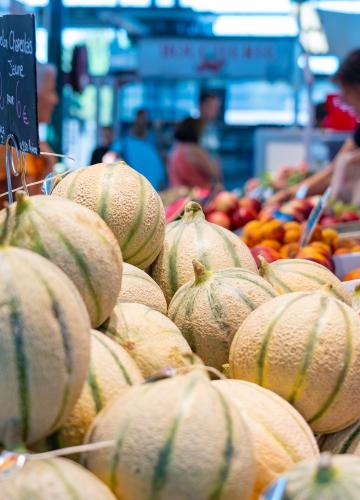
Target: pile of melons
{"points": [[114, 327]]}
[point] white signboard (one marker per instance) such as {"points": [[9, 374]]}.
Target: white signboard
{"points": [[203, 58]]}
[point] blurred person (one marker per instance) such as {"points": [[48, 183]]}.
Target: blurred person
{"points": [[37, 167], [106, 139], [209, 108], [139, 128], [344, 170], [189, 164]]}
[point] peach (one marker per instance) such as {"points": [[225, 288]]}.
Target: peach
{"points": [[251, 226], [342, 251], [273, 230], [324, 247], [290, 226], [271, 244], [317, 234], [345, 243], [329, 236], [290, 250], [352, 275], [269, 254], [292, 236]]}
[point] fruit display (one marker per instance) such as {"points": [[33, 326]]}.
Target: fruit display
{"points": [[300, 275], [281, 436], [75, 239], [134, 403], [137, 286], [228, 211], [56, 478], [128, 204], [151, 338], [191, 238], [175, 454], [305, 346], [59, 315], [325, 478], [210, 309], [111, 371], [274, 240]]}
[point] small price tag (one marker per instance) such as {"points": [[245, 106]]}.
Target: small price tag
{"points": [[18, 92], [10, 463], [314, 217]]}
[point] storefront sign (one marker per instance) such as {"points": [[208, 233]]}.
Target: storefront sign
{"points": [[266, 58], [18, 97]]}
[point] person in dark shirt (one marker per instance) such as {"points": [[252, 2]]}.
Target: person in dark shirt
{"points": [[107, 136], [348, 80]]}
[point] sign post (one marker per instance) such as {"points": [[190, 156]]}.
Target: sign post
{"points": [[18, 93]]}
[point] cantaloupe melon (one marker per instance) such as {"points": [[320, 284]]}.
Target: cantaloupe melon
{"points": [[210, 308], [137, 286], [305, 346], [191, 238], [128, 204], [328, 477], [44, 346], [111, 371], [300, 275], [178, 439], [345, 441], [75, 239], [281, 435], [149, 337], [55, 479]]}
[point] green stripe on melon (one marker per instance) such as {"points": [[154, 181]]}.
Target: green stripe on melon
{"points": [[44, 346], [305, 347], [128, 204], [300, 275], [54, 478], [111, 372], [281, 436], [77, 241], [155, 456], [345, 441], [210, 308], [195, 238]]}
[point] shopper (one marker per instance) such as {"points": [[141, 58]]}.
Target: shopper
{"points": [[37, 167], [107, 137], [346, 165], [209, 107], [189, 164]]}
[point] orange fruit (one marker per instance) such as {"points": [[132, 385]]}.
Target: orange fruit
{"points": [[342, 251], [355, 249], [292, 236], [345, 243], [254, 225], [276, 245], [352, 275], [322, 246], [292, 225], [329, 236], [273, 230], [290, 250], [254, 237], [317, 234]]}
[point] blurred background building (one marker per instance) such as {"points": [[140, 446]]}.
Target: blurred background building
{"points": [[262, 58]]}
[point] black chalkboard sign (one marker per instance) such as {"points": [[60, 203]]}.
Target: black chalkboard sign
{"points": [[18, 96]]}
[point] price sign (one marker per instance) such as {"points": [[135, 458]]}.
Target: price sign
{"points": [[18, 95]]}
